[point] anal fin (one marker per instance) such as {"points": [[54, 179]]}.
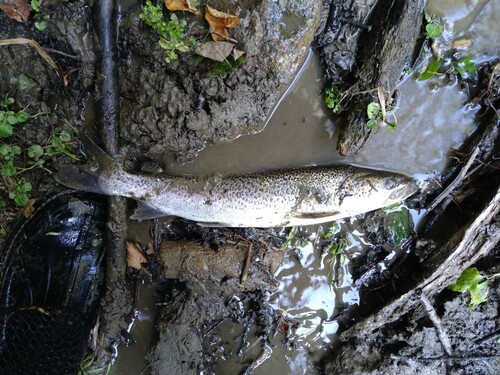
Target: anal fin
{"points": [[145, 212]]}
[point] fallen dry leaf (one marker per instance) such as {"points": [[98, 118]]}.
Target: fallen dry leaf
{"points": [[29, 208], [16, 9], [135, 257], [183, 5], [219, 22], [237, 54], [217, 51]]}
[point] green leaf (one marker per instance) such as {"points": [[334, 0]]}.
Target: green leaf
{"points": [[21, 199], [373, 111], [64, 136], [26, 187], [465, 67], [5, 130], [474, 282], [22, 116], [333, 99], [40, 25], [371, 124], [8, 170], [431, 71], [35, 5], [12, 120], [434, 30], [35, 151], [4, 149]]}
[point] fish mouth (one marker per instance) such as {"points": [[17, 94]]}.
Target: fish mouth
{"points": [[404, 191]]}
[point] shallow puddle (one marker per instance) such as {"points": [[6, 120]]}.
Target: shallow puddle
{"points": [[433, 118]]}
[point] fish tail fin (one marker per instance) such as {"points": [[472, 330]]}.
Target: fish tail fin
{"points": [[90, 176]]}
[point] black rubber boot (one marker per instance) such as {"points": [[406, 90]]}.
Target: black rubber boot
{"points": [[51, 277]]}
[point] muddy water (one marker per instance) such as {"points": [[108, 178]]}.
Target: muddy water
{"points": [[432, 120]]}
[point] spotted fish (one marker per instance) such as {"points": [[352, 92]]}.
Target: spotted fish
{"points": [[289, 197]]}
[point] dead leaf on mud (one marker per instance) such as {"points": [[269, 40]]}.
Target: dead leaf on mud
{"points": [[217, 51], [16, 9], [182, 5], [237, 54], [29, 208], [219, 22], [135, 256]]}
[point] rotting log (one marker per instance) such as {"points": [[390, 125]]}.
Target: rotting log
{"points": [[463, 250], [388, 31]]}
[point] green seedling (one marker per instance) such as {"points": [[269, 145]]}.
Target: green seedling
{"points": [[40, 19], [9, 118], [475, 283], [331, 232], [430, 71], [334, 98], [15, 161], [376, 116], [434, 27], [465, 66], [172, 34], [23, 82]]}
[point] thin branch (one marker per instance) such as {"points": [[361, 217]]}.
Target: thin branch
{"points": [[433, 316]]}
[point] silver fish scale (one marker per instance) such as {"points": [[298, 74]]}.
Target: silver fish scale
{"points": [[275, 198]]}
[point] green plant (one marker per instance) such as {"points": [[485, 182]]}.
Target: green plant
{"points": [[23, 82], [15, 160], [472, 281], [430, 71], [9, 118], [40, 19], [333, 99], [376, 116], [434, 27], [172, 34], [465, 66]]}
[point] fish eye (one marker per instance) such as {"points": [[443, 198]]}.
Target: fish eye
{"points": [[390, 183]]}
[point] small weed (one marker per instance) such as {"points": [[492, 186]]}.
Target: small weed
{"points": [[40, 19], [472, 281], [376, 116], [172, 34], [15, 161], [332, 231], [434, 27], [9, 118], [334, 98], [23, 82], [465, 66]]}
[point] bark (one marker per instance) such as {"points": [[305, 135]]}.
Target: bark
{"points": [[376, 42]]}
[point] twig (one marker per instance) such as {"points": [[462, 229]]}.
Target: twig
{"points": [[454, 358], [455, 182], [433, 316], [246, 265], [40, 51]]}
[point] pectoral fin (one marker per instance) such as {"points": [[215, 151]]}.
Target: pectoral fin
{"points": [[145, 212]]}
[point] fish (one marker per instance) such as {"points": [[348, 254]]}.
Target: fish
{"points": [[277, 198]]}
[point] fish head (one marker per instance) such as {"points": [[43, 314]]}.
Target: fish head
{"points": [[368, 190]]}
